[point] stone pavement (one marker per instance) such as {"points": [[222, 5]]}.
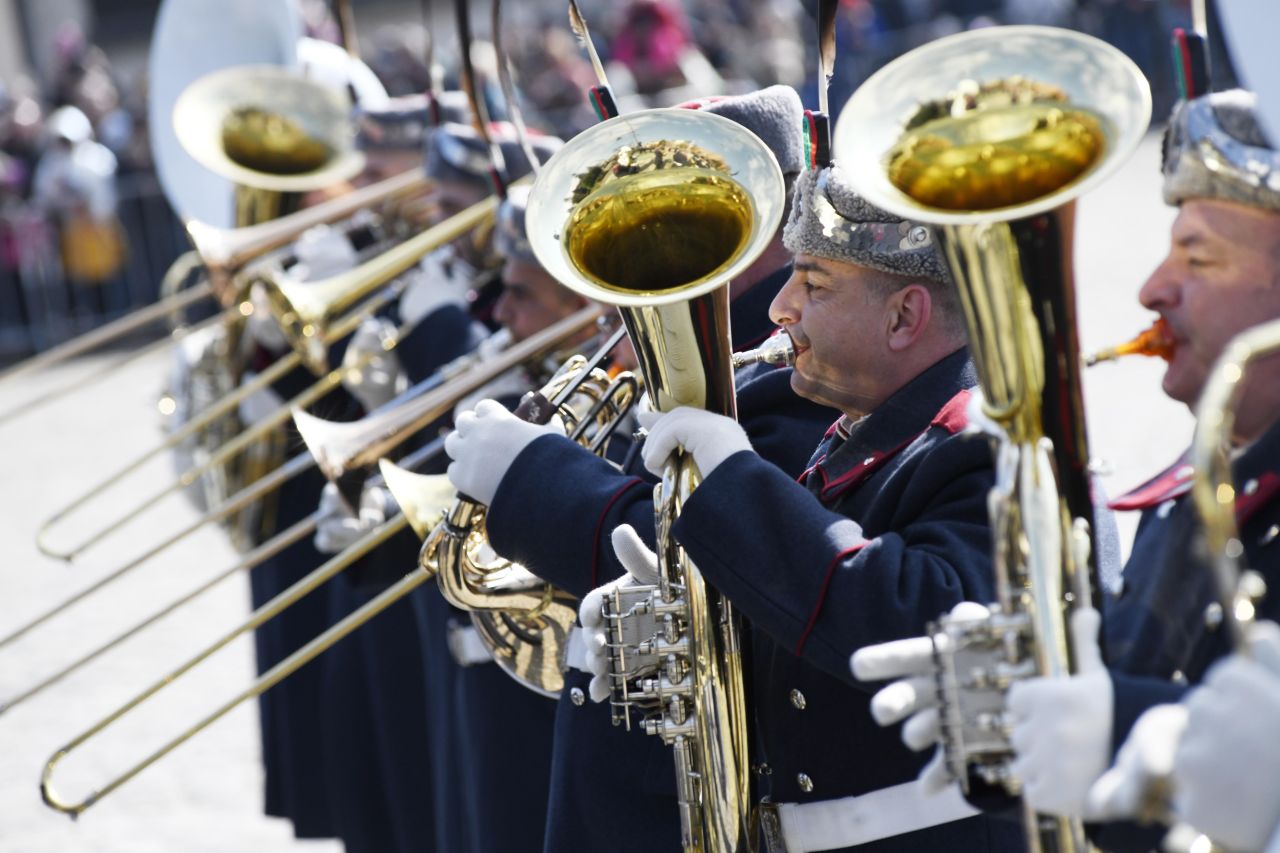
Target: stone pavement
{"points": [[206, 796]]}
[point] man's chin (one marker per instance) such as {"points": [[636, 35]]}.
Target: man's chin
{"points": [[823, 394]]}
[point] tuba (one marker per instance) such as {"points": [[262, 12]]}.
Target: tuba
{"points": [[655, 212], [1004, 128]]}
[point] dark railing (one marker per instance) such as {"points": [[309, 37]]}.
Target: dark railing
{"points": [[40, 307]]}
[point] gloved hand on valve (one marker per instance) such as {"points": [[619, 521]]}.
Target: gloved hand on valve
{"points": [[708, 438], [484, 444], [1062, 726], [1228, 759], [913, 696], [339, 526], [642, 570]]}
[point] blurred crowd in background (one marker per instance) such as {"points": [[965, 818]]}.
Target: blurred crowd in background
{"points": [[85, 233]]}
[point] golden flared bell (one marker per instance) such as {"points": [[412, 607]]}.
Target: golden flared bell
{"points": [[269, 128]]}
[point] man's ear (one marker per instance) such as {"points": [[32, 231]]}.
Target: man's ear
{"points": [[909, 312]]}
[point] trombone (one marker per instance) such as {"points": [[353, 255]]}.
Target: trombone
{"points": [[304, 527], [420, 513], [224, 253], [310, 310], [232, 505]]}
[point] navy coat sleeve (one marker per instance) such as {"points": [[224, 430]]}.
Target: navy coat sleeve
{"points": [[557, 505], [819, 583]]}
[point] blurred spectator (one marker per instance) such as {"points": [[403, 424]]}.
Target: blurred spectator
{"points": [[649, 44], [75, 185]]}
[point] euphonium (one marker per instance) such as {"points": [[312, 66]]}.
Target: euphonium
{"points": [[522, 620], [655, 212], [1004, 129]]}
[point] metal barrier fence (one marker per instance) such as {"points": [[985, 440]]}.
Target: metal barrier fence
{"points": [[40, 307]]}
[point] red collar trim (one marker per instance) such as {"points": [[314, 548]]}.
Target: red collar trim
{"points": [[1266, 489], [952, 417], [1173, 482]]}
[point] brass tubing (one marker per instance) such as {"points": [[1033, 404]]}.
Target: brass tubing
{"points": [[268, 680], [238, 501], [258, 555], [225, 251], [382, 432], [33, 404], [224, 404], [271, 609], [115, 329]]}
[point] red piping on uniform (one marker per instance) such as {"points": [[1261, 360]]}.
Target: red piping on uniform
{"points": [[822, 593], [1248, 505], [595, 552]]}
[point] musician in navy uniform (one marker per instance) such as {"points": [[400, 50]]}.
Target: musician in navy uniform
{"points": [[419, 779], [886, 528], [613, 789], [1163, 627]]}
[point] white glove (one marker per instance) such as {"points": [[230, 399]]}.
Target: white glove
{"points": [[322, 251], [914, 694], [978, 419], [339, 527], [483, 445], [1062, 726], [262, 326], [1225, 768], [1145, 758], [371, 372], [441, 279], [642, 570], [708, 438]]}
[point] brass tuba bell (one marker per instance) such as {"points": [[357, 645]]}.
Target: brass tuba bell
{"points": [[990, 136], [655, 212]]}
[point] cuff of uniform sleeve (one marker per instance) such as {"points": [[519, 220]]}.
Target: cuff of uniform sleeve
{"points": [[547, 507]]}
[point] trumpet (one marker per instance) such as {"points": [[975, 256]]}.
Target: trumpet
{"points": [[316, 330], [996, 164]]}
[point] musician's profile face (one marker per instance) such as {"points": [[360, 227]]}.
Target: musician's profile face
{"points": [[1221, 276], [837, 318], [531, 299]]}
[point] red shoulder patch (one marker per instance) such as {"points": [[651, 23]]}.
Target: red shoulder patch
{"points": [[954, 416], [1173, 482]]}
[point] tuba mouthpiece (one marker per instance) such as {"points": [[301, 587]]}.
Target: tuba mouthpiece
{"points": [[1155, 341], [777, 350]]}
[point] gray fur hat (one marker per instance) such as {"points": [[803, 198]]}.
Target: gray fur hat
{"points": [[774, 114], [509, 237], [455, 152], [1214, 147], [830, 220]]}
